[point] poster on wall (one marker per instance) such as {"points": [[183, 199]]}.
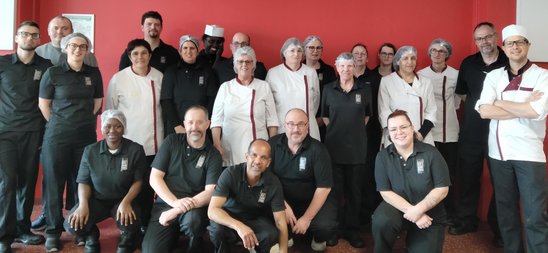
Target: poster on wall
{"points": [[85, 24], [532, 15], [7, 24]]}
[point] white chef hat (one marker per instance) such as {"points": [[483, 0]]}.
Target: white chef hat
{"points": [[214, 31], [514, 30]]}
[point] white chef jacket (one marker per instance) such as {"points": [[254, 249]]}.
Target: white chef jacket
{"points": [[447, 103], [519, 138], [138, 97], [296, 89], [417, 100], [244, 114]]}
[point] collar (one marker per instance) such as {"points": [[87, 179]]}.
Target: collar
{"points": [[240, 82], [103, 148], [520, 71], [355, 86], [282, 143], [243, 176], [15, 59], [300, 66], [418, 147], [432, 68], [67, 68], [206, 146]]}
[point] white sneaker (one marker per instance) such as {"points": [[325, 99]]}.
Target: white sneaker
{"points": [[318, 246], [290, 243], [273, 249], [253, 251]]}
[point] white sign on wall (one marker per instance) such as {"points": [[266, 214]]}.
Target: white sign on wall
{"points": [[532, 15], [7, 24]]}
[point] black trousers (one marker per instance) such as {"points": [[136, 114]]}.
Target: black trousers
{"points": [[324, 224], [19, 159], [388, 223], [263, 227], [370, 196], [146, 195], [449, 151], [348, 192], [471, 160], [160, 238]]}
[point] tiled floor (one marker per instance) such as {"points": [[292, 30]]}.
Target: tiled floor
{"points": [[479, 242]]}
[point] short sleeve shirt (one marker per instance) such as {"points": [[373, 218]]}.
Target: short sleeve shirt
{"points": [[424, 170], [301, 173], [246, 202], [111, 175], [187, 170]]}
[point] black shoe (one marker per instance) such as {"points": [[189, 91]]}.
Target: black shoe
{"points": [[92, 241], [40, 223], [498, 242], [5, 247], [30, 239], [52, 243], [126, 244], [80, 241], [332, 241], [462, 228], [143, 230], [194, 244], [355, 240]]}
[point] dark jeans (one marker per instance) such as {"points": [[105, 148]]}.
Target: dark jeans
{"points": [[324, 224], [263, 227]]}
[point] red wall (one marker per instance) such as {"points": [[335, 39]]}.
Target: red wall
{"points": [[339, 23]]}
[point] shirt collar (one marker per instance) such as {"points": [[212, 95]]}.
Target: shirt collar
{"points": [[417, 148], [67, 68], [355, 86], [282, 142], [103, 148], [244, 176], [15, 59]]}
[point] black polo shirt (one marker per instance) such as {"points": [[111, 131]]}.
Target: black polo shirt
{"points": [[187, 170], [302, 173], [162, 57], [225, 70], [209, 60], [372, 78], [424, 170], [72, 94], [346, 135], [472, 73], [244, 202], [183, 86], [19, 86], [111, 175]]}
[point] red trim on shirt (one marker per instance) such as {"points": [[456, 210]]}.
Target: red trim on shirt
{"points": [[444, 124], [306, 92], [154, 114], [498, 142], [420, 112], [251, 114], [241, 83], [292, 69]]}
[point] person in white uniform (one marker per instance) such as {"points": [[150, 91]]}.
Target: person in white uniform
{"points": [[515, 98], [244, 110], [404, 90], [295, 85]]}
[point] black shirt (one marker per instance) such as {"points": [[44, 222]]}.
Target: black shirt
{"points": [[162, 57], [72, 94], [111, 175], [472, 73], [209, 60], [303, 172], [187, 170], [372, 78], [183, 86], [225, 70], [19, 86], [346, 136], [424, 170], [244, 202]]}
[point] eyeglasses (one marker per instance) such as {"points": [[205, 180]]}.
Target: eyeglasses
{"points": [[486, 37], [242, 62], [385, 54], [312, 48], [299, 125], [401, 128], [74, 46], [434, 51], [240, 44], [25, 35], [519, 43]]}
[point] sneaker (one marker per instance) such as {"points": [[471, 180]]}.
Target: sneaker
{"points": [[5, 247], [52, 243], [318, 246], [290, 243], [29, 239], [80, 241], [40, 223]]}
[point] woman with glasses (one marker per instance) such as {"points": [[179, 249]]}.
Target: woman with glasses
{"points": [[404, 89], [295, 85], [70, 97], [386, 58], [244, 110], [346, 107], [359, 52], [413, 179], [446, 132]]}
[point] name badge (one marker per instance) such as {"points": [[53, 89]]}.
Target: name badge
{"points": [[200, 162], [37, 75], [124, 164], [163, 59], [302, 164], [358, 99], [88, 81], [320, 76], [420, 166], [201, 80], [262, 197]]}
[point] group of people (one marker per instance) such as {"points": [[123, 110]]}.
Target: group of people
{"points": [[303, 148]]}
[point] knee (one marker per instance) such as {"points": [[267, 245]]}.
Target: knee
{"points": [[385, 221], [194, 223]]}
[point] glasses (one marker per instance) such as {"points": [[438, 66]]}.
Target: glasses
{"points": [[434, 51], [385, 54], [299, 125], [74, 46], [485, 38], [401, 128], [25, 35], [519, 43], [240, 44], [242, 62], [312, 48], [359, 54]]}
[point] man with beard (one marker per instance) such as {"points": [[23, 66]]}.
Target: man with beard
{"points": [[21, 127], [163, 54], [58, 28], [213, 40], [303, 166], [472, 147], [184, 173], [225, 68]]}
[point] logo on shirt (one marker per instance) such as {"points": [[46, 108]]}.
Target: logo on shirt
{"points": [[320, 76], [201, 80], [37, 75], [163, 59], [88, 80], [302, 163], [358, 99], [123, 167], [200, 162], [262, 197], [420, 166]]}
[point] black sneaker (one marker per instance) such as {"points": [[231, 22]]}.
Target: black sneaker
{"points": [[126, 243], [29, 239], [5, 247], [53, 243], [80, 241], [40, 223]]}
